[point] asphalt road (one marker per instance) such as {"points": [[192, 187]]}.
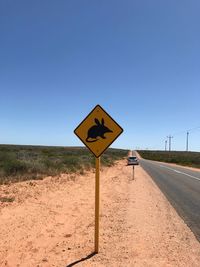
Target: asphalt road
{"points": [[181, 186]]}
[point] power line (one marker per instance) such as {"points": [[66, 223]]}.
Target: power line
{"points": [[185, 131], [195, 128], [181, 132]]}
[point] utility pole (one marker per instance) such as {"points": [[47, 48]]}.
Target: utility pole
{"points": [[165, 145], [187, 141], [170, 138]]}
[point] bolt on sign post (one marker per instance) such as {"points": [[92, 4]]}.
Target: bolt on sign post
{"points": [[98, 131]]}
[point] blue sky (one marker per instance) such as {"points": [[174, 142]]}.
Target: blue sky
{"points": [[140, 60]]}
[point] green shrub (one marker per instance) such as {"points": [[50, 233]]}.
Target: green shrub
{"points": [[33, 162], [179, 157], [14, 167]]}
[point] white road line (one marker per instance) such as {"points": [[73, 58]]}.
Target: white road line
{"points": [[177, 171], [191, 176]]}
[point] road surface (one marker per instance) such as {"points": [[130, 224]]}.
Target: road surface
{"points": [[181, 186]]}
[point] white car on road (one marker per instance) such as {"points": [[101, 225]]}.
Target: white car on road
{"points": [[132, 161]]}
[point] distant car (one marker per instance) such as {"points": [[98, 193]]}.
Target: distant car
{"points": [[132, 161]]}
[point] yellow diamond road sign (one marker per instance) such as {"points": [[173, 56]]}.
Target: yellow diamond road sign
{"points": [[98, 131]]}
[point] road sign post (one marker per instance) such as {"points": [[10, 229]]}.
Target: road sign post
{"points": [[97, 201], [98, 131]]}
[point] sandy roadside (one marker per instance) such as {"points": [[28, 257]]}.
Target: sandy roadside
{"points": [[51, 223]]}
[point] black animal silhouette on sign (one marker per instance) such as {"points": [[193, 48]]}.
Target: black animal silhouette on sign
{"points": [[97, 130]]}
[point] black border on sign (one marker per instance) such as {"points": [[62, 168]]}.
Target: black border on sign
{"points": [[86, 119]]}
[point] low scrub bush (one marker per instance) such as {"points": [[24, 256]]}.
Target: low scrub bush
{"points": [[179, 157], [14, 167], [33, 162]]}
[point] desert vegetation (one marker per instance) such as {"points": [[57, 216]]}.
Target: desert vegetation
{"points": [[191, 159], [19, 162]]}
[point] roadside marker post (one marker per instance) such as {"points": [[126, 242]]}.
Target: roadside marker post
{"points": [[133, 172], [98, 131]]}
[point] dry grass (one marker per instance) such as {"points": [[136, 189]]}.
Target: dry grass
{"points": [[19, 163], [191, 159]]}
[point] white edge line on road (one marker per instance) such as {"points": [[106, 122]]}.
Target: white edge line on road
{"points": [[191, 176]]}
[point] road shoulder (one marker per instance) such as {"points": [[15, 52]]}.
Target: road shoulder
{"points": [[55, 225]]}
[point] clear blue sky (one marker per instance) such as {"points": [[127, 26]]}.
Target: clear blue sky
{"points": [[140, 60]]}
